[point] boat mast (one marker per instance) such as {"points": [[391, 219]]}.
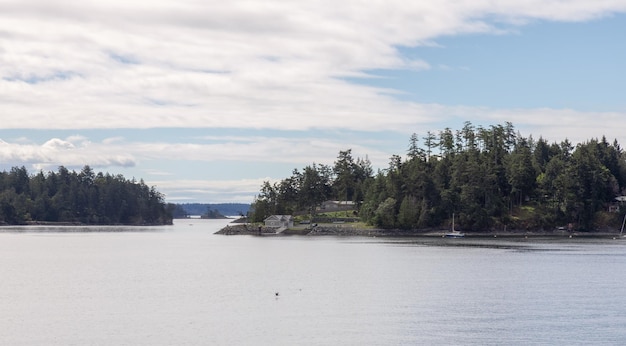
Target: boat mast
{"points": [[623, 222], [453, 223]]}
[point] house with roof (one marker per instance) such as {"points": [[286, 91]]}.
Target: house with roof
{"points": [[616, 206], [279, 221]]}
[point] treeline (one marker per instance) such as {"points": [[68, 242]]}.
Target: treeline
{"points": [[212, 214], [79, 197], [230, 209], [180, 211], [489, 178]]}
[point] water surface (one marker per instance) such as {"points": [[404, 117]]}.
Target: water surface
{"points": [[182, 285]]}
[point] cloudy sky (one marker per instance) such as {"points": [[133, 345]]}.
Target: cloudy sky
{"points": [[206, 99]]}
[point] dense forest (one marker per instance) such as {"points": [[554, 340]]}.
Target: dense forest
{"points": [[79, 197], [490, 178]]}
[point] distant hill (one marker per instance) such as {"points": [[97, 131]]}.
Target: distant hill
{"points": [[228, 209]]}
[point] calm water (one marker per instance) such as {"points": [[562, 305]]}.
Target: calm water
{"points": [[182, 285]]}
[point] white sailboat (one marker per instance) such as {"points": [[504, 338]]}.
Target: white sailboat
{"points": [[621, 232], [454, 233]]}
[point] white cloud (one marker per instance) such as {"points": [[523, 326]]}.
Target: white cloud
{"points": [[270, 64], [299, 151], [113, 140], [557, 125], [56, 144], [57, 152], [303, 151], [77, 151]]}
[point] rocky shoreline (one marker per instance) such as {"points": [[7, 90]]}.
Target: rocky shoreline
{"points": [[347, 231]]}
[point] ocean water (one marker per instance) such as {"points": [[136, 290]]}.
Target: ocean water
{"points": [[183, 285]]}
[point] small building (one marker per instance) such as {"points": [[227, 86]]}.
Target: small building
{"points": [[616, 206], [278, 221]]}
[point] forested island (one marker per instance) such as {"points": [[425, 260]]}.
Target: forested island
{"points": [[491, 178], [79, 198]]}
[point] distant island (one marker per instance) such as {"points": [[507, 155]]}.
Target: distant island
{"points": [[210, 210], [85, 197]]}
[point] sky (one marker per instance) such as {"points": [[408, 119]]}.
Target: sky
{"points": [[207, 99]]}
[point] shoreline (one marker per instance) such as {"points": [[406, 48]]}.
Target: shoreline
{"points": [[343, 231], [79, 224]]}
